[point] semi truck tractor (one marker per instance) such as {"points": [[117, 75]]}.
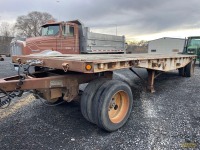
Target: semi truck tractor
{"points": [[69, 37], [192, 46]]}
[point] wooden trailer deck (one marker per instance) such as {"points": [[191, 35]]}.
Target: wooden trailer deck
{"points": [[94, 63]]}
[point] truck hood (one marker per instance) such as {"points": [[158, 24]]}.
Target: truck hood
{"points": [[38, 44], [39, 39]]}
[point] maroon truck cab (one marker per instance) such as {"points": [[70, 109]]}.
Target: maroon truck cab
{"points": [[57, 36]]}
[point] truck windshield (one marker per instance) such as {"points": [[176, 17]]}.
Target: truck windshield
{"points": [[194, 42], [50, 30]]}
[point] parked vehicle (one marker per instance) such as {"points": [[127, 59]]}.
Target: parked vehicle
{"points": [[1, 58], [192, 46], [105, 102], [69, 37]]}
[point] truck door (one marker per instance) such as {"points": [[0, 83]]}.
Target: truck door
{"points": [[69, 40]]}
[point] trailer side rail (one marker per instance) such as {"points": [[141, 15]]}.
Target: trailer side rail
{"points": [[108, 62]]}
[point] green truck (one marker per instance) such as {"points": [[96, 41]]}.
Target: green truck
{"points": [[192, 46]]}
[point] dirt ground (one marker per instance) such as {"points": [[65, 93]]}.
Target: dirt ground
{"points": [[167, 119]]}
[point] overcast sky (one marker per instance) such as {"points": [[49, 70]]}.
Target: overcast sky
{"points": [[143, 19]]}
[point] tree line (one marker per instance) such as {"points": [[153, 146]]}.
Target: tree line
{"points": [[25, 25]]}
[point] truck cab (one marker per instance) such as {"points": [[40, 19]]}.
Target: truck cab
{"points": [[192, 46], [55, 36]]}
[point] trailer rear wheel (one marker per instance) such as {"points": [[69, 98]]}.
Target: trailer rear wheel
{"points": [[118, 107], [88, 96], [189, 69], [113, 105]]}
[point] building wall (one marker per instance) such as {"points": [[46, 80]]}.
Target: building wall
{"points": [[166, 45]]}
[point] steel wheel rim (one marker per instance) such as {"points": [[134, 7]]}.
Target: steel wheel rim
{"points": [[119, 106]]}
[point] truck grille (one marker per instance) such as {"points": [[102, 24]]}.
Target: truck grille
{"points": [[15, 49]]}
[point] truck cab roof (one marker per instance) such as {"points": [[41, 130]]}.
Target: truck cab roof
{"points": [[51, 22]]}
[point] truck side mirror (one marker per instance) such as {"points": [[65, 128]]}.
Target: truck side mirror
{"points": [[40, 32]]}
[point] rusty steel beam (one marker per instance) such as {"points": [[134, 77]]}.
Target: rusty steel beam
{"points": [[151, 77], [49, 82], [57, 63]]}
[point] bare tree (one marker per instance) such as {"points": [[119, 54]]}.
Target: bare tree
{"points": [[6, 29], [29, 25], [138, 43], [137, 46], [143, 43]]}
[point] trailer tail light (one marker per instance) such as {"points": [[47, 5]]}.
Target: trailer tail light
{"points": [[88, 67]]}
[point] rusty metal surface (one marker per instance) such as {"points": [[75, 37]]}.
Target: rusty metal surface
{"points": [[151, 77], [47, 82], [110, 62], [51, 86]]}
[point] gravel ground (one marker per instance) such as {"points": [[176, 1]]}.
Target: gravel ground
{"points": [[168, 119]]}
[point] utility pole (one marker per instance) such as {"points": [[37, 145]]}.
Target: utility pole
{"points": [[116, 29], [58, 1]]}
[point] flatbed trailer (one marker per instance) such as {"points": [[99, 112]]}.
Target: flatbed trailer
{"points": [[105, 102]]}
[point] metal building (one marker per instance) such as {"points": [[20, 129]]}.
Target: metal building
{"points": [[166, 45], [5, 45]]}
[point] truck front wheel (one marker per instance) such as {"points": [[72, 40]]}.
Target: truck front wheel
{"points": [[112, 105]]}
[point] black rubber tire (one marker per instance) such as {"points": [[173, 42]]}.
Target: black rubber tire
{"points": [[189, 69], [88, 96], [181, 71], [102, 102], [96, 100], [1, 59]]}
